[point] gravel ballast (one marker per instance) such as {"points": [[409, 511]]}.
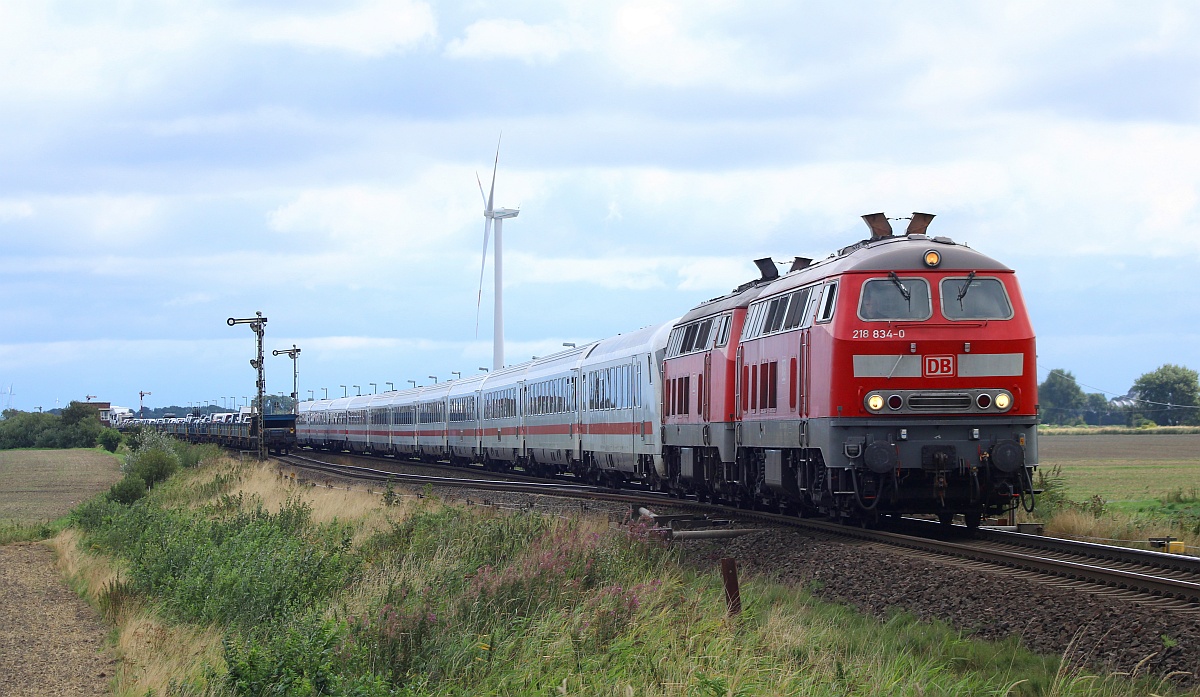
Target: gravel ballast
{"points": [[1102, 633]]}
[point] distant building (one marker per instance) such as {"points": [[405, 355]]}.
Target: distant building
{"points": [[1124, 401], [109, 414]]}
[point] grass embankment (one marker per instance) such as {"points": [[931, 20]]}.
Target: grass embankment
{"points": [[228, 579], [1121, 487], [39, 487]]}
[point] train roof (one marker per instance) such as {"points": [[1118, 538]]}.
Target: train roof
{"points": [[899, 253], [880, 253], [738, 298], [648, 339]]}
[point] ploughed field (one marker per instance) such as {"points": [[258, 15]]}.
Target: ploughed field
{"points": [[51, 641], [43, 485]]}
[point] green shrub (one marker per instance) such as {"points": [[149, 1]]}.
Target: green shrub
{"points": [[192, 455], [1053, 487], [128, 490], [153, 466], [245, 568], [109, 439], [95, 513]]}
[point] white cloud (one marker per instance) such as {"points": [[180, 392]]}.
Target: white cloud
{"points": [[13, 210], [685, 44], [510, 38], [372, 28], [233, 123], [627, 272], [381, 222], [51, 50], [436, 210], [46, 354]]}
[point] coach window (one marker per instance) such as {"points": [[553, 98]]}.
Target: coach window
{"points": [[975, 298], [895, 298]]}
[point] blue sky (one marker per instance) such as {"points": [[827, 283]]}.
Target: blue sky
{"points": [[168, 165]]}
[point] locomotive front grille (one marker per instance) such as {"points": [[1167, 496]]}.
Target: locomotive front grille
{"points": [[939, 401]]}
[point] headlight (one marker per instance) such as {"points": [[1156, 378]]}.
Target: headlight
{"points": [[875, 402], [1003, 400], [933, 258]]}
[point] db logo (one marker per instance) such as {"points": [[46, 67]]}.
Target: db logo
{"points": [[939, 366]]}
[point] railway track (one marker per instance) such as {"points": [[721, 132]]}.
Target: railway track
{"points": [[506, 482], [1165, 579]]}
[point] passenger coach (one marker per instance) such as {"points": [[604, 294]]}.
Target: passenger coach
{"points": [[591, 410]]}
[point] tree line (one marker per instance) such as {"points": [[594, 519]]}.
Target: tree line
{"points": [[79, 426], [1168, 396], [76, 426]]}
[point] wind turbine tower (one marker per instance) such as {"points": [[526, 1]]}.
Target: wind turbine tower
{"points": [[498, 216]]}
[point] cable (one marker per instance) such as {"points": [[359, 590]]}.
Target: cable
{"points": [[1168, 405]]}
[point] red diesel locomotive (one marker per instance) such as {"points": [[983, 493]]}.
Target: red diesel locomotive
{"points": [[896, 376]]}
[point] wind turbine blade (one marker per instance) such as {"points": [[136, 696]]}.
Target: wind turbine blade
{"points": [[487, 233], [495, 165], [481, 194]]}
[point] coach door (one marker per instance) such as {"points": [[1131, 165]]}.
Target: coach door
{"points": [[575, 419], [705, 395], [739, 386], [801, 382]]}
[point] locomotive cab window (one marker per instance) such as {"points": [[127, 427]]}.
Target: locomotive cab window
{"points": [[975, 298], [829, 303], [895, 298], [723, 331]]}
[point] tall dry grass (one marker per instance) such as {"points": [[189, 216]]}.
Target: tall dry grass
{"points": [[455, 601], [152, 654], [1118, 528]]}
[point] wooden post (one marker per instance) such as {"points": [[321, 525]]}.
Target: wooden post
{"points": [[733, 596]]}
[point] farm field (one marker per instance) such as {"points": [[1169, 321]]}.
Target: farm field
{"points": [[1124, 468], [43, 485]]}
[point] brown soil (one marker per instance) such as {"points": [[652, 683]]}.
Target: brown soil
{"points": [[51, 641], [40, 485]]}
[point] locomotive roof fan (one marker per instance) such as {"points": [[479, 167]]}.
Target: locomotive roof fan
{"points": [[881, 227], [766, 266]]}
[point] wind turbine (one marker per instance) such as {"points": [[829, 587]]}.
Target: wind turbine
{"points": [[498, 215]]}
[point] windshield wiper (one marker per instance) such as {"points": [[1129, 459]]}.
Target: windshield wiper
{"points": [[962, 292], [896, 279]]}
